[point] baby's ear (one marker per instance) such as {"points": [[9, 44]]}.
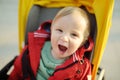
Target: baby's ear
{"points": [[84, 42]]}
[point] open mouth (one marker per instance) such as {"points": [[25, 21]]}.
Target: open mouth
{"points": [[62, 48]]}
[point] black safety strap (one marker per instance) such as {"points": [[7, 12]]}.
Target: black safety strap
{"points": [[5, 69], [26, 67]]}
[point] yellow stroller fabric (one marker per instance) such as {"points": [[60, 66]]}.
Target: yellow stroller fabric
{"points": [[101, 8]]}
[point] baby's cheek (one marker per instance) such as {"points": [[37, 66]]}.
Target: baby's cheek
{"points": [[77, 45], [72, 49]]}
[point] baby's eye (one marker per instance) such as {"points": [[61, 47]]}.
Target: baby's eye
{"points": [[74, 35], [59, 30]]}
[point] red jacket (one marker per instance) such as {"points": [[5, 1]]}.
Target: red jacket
{"points": [[75, 68]]}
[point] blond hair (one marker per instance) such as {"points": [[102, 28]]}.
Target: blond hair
{"points": [[69, 10]]}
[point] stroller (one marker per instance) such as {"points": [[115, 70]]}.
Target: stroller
{"points": [[34, 12]]}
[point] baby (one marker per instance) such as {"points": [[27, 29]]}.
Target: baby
{"points": [[58, 54]]}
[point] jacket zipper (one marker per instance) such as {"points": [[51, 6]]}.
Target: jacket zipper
{"points": [[64, 67]]}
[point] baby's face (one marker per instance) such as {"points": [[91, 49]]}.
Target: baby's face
{"points": [[67, 34]]}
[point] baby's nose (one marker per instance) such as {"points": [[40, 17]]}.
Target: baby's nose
{"points": [[64, 38]]}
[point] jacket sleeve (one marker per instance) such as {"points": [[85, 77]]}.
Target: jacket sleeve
{"points": [[16, 73]]}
